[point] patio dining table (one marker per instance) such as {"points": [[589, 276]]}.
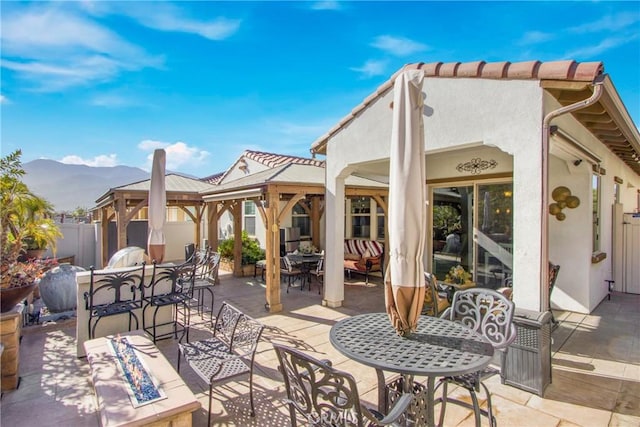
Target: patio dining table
{"points": [[306, 263], [437, 348]]}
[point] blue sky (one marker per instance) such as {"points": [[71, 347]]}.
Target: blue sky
{"points": [[104, 83]]}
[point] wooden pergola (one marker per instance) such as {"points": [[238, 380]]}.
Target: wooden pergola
{"points": [[275, 194], [124, 203]]}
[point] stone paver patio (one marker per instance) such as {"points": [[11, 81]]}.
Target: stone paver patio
{"points": [[596, 366]]}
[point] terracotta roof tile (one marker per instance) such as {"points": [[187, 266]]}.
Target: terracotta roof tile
{"points": [[471, 69], [495, 70]]}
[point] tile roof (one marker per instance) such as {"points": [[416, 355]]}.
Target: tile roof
{"points": [[270, 160], [530, 70]]}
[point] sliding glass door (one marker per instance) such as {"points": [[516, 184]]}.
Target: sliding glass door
{"points": [[471, 227]]}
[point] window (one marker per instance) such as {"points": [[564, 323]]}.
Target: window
{"points": [[380, 218], [250, 218], [361, 217], [300, 218], [595, 188]]}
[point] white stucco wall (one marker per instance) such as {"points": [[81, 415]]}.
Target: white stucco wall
{"points": [[581, 284], [458, 113]]}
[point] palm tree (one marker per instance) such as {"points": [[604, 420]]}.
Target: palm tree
{"points": [[24, 218]]}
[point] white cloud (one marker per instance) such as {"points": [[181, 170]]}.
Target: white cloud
{"points": [[4, 99], [596, 50], [179, 154], [371, 68], [113, 100], [98, 161], [534, 37], [609, 23], [326, 5], [53, 47], [398, 46], [165, 16]]}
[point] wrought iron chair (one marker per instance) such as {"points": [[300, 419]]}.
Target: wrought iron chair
{"points": [[324, 396], [113, 293], [290, 272], [318, 272], [490, 314], [229, 353], [554, 269], [434, 303], [206, 276], [171, 286]]}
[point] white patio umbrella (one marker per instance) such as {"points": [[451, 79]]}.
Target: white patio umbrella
{"points": [[404, 278], [157, 207]]}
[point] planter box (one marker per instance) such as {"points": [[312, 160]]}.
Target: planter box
{"points": [[10, 329], [247, 270]]}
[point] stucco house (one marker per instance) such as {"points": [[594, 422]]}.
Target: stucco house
{"points": [[526, 163]]}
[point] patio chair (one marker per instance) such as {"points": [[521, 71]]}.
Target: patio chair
{"points": [[206, 276], [554, 269], [229, 353], [318, 272], [171, 286], [320, 395], [490, 314], [113, 293], [290, 272], [434, 303]]}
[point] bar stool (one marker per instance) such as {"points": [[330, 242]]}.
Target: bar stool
{"points": [[171, 286]]}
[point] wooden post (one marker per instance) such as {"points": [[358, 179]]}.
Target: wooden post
{"points": [[104, 229], [237, 244], [212, 229], [273, 254], [121, 221], [315, 221]]}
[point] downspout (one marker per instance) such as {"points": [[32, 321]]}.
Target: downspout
{"points": [[546, 134]]}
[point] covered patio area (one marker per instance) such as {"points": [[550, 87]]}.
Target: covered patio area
{"points": [[596, 366]]}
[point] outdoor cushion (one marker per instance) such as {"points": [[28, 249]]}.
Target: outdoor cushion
{"points": [[352, 257]]}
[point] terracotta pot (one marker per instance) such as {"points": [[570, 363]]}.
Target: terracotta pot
{"points": [[10, 297], [35, 253]]}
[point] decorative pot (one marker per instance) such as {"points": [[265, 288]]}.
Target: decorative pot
{"points": [[9, 297], [35, 253], [58, 288]]}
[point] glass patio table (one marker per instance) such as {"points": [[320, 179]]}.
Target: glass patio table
{"points": [[438, 348]]}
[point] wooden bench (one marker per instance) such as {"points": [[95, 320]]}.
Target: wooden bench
{"points": [[229, 353], [114, 404]]}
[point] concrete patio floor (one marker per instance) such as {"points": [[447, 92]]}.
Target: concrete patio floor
{"points": [[596, 366]]}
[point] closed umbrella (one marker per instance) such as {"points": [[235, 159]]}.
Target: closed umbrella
{"points": [[157, 207], [404, 278]]}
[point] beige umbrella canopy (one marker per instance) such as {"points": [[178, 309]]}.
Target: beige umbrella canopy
{"points": [[157, 207], [404, 278]]}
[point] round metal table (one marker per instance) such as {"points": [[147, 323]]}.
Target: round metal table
{"points": [[438, 348]]}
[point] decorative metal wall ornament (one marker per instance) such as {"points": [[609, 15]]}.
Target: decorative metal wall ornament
{"points": [[563, 199], [476, 165]]}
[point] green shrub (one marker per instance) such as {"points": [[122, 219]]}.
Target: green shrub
{"points": [[251, 250]]}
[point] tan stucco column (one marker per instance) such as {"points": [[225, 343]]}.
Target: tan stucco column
{"points": [[334, 232]]}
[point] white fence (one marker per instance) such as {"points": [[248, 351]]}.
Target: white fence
{"points": [[84, 242]]}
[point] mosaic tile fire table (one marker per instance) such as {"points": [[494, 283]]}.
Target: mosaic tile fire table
{"points": [[143, 389]]}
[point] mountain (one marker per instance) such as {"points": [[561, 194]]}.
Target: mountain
{"points": [[70, 186]]}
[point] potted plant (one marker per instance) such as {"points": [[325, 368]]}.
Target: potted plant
{"points": [[23, 215], [251, 253]]}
